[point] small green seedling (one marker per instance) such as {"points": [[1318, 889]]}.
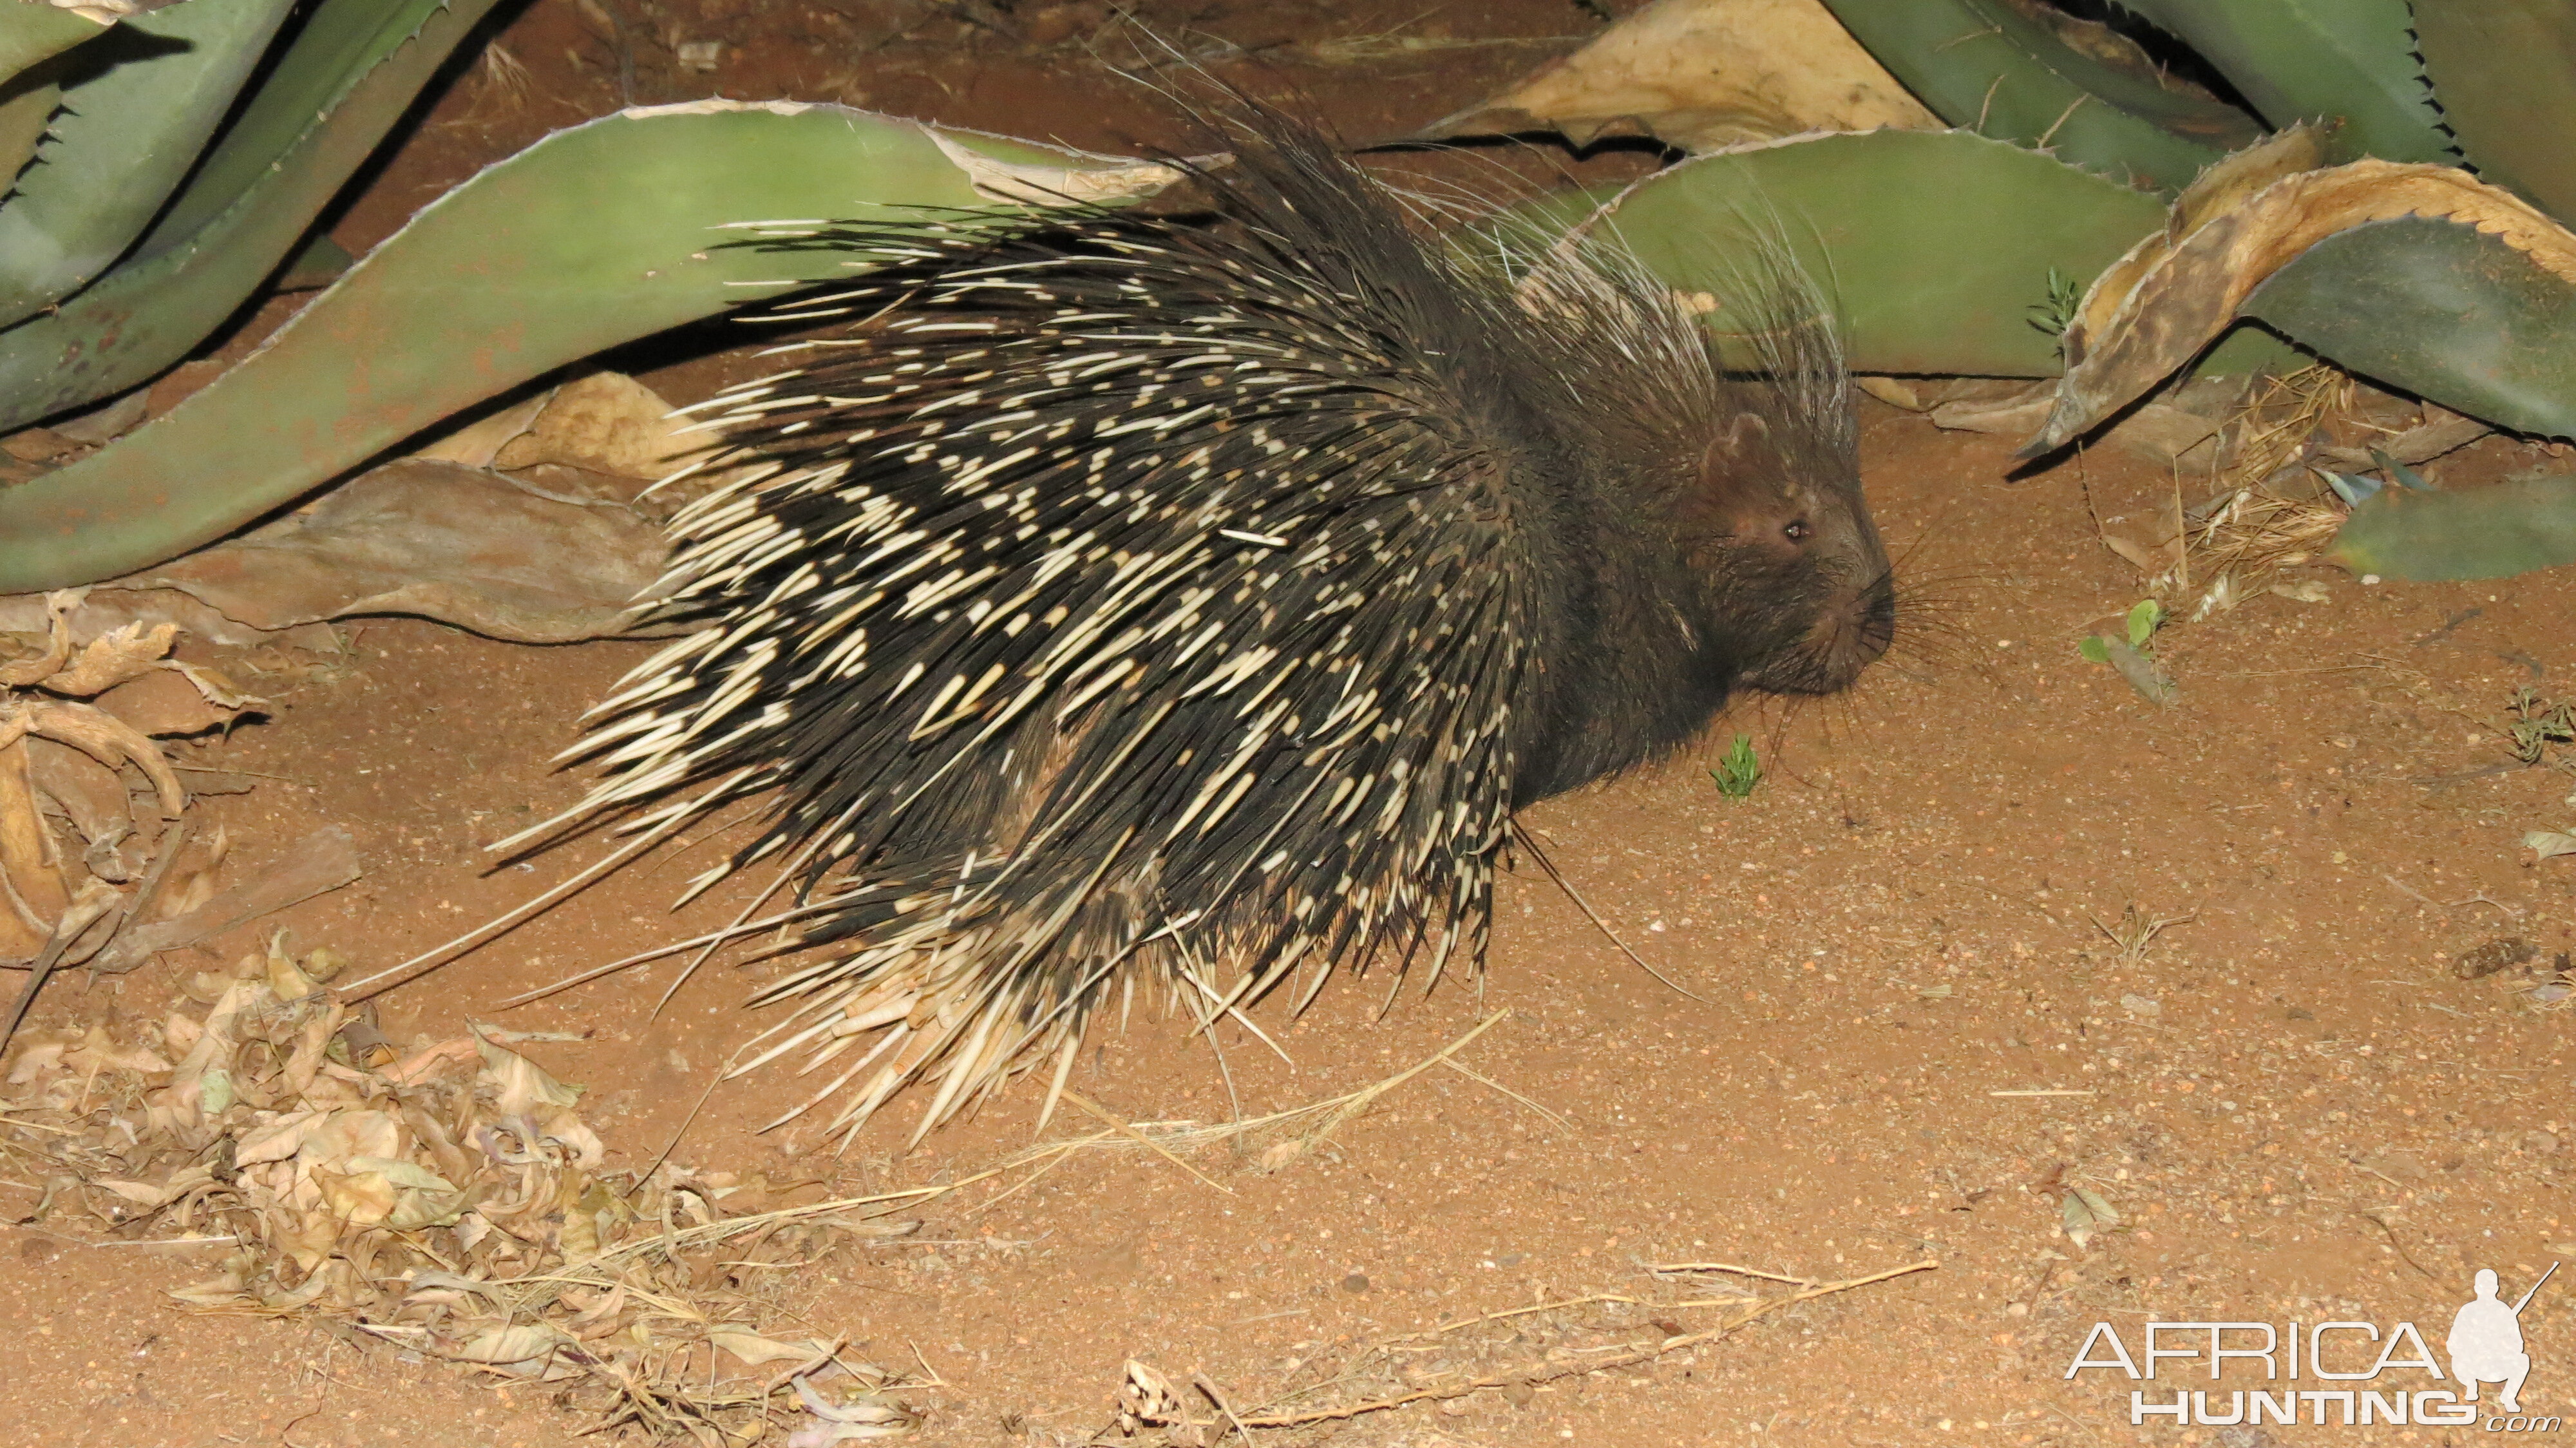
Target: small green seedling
{"points": [[1739, 771], [2143, 622], [2057, 313]]}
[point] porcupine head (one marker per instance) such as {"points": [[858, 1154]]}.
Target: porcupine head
{"points": [[1189, 601], [1710, 532]]}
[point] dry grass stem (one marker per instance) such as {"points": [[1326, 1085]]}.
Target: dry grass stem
{"points": [[1663, 1267], [2257, 525], [1147, 1398], [1292, 1133]]}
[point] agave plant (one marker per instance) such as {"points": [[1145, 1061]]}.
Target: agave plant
{"points": [[142, 218], [2382, 184]]}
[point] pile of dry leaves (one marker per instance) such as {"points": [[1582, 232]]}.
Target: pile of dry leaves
{"points": [[450, 1203], [99, 867]]}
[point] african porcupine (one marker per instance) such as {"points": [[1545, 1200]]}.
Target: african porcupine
{"points": [[1137, 593]]}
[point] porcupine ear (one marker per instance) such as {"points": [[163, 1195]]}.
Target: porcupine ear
{"points": [[1741, 436]]}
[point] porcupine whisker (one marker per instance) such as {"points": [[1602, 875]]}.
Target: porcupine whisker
{"points": [[1528, 840]]}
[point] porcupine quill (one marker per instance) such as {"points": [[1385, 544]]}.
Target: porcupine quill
{"points": [[1127, 595]]}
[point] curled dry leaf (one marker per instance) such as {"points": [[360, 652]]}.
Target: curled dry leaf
{"points": [[58, 606], [1702, 74], [2244, 222], [606, 422], [751, 1349], [50, 906], [111, 659]]}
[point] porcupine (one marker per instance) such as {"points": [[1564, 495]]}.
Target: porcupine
{"points": [[1133, 594]]}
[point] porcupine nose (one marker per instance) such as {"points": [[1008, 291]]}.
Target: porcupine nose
{"points": [[1877, 628], [1849, 634]]}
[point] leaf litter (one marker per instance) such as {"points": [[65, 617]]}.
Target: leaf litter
{"points": [[98, 865], [451, 1204]]}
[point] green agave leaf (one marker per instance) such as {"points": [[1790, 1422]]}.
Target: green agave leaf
{"points": [[2439, 309], [331, 65], [26, 103], [594, 236], [33, 34], [138, 106], [2296, 60], [2490, 532], [1933, 246], [1989, 67], [344, 80], [2504, 77]]}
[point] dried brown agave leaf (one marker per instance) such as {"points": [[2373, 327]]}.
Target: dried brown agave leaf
{"points": [[2231, 183], [2179, 288], [437, 540], [323, 860], [478, 442], [1703, 74]]}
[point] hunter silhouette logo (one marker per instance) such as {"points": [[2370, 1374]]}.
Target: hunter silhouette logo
{"points": [[2486, 1341], [2363, 1372]]}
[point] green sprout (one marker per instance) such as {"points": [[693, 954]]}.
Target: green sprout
{"points": [[2057, 313], [1739, 771], [2144, 620]]}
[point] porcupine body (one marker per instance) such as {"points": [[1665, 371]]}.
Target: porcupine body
{"points": [[1194, 601]]}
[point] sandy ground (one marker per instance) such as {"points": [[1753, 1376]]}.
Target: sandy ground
{"points": [[1912, 1031]]}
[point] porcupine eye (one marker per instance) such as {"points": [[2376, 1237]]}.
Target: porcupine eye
{"points": [[1797, 530]]}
